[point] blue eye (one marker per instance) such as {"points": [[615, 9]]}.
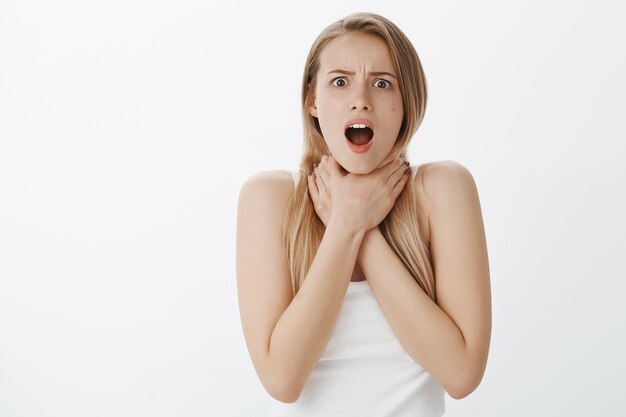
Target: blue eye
{"points": [[388, 83], [338, 78]]}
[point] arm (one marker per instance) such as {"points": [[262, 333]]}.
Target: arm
{"points": [[286, 337], [450, 340], [303, 331]]}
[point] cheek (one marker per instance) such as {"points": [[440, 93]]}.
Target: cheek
{"points": [[327, 108], [397, 110], [322, 104], [325, 105]]}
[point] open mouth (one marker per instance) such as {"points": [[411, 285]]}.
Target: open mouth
{"points": [[359, 135]]}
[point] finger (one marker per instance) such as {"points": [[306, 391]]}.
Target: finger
{"points": [[324, 163], [323, 173], [401, 182], [398, 174], [312, 188], [321, 185], [392, 167], [333, 167]]}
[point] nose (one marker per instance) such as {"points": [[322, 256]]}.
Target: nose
{"points": [[361, 99]]}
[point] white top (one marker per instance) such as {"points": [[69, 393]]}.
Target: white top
{"points": [[364, 370]]}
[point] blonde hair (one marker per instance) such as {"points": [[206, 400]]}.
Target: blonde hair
{"points": [[302, 228]]}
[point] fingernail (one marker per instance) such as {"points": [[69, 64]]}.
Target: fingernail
{"points": [[406, 163]]}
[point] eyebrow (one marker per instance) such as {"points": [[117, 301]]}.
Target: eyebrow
{"points": [[339, 71]]}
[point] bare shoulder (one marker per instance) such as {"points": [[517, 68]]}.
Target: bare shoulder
{"points": [[271, 183], [432, 176], [273, 188], [436, 180]]}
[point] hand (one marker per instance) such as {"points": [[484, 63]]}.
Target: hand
{"points": [[360, 201]]}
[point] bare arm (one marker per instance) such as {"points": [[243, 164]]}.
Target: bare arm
{"points": [[286, 337], [449, 339], [304, 329]]}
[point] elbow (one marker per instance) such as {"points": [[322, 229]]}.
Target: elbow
{"points": [[464, 386], [280, 385], [283, 389], [285, 393], [460, 393]]}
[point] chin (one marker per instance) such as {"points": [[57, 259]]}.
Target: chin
{"points": [[362, 168], [361, 171]]}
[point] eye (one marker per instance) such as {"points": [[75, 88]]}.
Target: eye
{"points": [[338, 79], [377, 83]]}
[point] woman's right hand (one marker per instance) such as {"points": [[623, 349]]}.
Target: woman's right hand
{"points": [[358, 201]]}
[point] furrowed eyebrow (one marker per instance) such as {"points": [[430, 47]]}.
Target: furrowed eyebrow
{"points": [[376, 73]]}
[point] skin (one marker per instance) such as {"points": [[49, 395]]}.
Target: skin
{"points": [[286, 336]]}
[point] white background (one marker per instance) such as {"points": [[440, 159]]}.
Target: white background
{"points": [[128, 127]]}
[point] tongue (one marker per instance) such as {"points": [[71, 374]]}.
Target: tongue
{"points": [[359, 136]]}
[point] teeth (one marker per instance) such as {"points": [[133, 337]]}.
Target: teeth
{"points": [[358, 126]]}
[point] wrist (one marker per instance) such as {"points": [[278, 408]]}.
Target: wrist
{"points": [[345, 227], [347, 222], [367, 238]]}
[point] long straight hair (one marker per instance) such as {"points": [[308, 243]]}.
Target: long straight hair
{"points": [[302, 228]]}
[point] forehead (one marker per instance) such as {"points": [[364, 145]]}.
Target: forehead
{"points": [[356, 49]]}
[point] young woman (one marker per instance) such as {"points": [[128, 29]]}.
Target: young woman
{"points": [[363, 284]]}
